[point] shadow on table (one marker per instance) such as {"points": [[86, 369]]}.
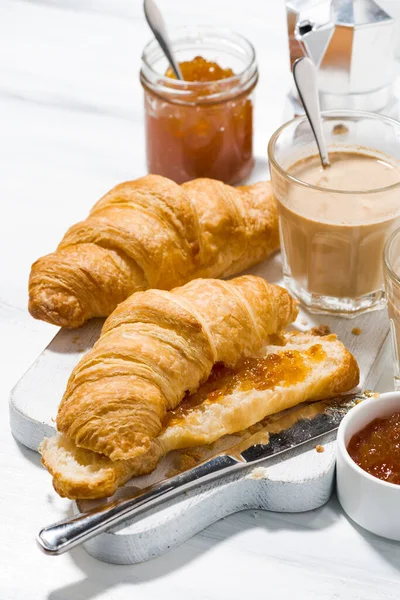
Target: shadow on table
{"points": [[388, 550], [103, 577], [260, 171], [30, 455], [73, 341]]}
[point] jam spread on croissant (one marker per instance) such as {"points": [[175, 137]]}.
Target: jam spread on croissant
{"points": [[204, 130], [376, 448], [283, 368]]}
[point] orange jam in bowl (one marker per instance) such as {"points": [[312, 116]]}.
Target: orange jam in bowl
{"points": [[376, 448], [201, 126]]}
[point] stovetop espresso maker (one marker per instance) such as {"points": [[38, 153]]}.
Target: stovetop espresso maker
{"points": [[353, 45]]}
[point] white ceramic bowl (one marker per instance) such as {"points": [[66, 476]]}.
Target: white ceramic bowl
{"points": [[370, 502]]}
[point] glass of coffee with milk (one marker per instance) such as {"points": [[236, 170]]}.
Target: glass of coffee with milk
{"points": [[391, 271], [334, 222]]}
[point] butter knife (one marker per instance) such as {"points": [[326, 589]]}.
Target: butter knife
{"points": [[64, 535]]}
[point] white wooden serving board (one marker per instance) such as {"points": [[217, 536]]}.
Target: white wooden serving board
{"points": [[301, 481]]}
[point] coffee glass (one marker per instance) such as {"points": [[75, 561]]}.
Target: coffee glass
{"points": [[391, 271], [331, 263]]}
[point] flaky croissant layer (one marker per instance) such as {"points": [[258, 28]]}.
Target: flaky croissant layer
{"points": [[157, 346], [152, 233]]}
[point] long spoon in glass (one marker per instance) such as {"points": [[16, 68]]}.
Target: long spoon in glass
{"points": [[305, 78]]}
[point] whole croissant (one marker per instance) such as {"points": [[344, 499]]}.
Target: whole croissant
{"points": [[155, 347], [152, 233]]}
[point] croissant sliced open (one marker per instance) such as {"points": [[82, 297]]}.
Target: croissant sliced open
{"points": [[156, 347], [292, 368]]}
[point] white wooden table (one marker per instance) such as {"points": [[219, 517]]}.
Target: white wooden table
{"points": [[71, 127]]}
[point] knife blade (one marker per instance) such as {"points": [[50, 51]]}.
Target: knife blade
{"points": [[290, 430]]}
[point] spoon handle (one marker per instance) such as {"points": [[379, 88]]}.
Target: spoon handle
{"points": [[305, 78], [156, 23]]}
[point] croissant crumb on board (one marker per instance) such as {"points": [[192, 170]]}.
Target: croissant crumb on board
{"points": [[152, 233], [308, 367], [157, 346]]}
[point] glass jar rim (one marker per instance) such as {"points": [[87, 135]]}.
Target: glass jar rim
{"points": [[346, 115], [183, 88], [386, 259]]}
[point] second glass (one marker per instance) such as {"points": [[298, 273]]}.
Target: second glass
{"points": [[391, 269], [333, 239]]}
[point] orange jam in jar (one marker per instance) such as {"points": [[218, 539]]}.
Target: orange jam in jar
{"points": [[202, 70], [201, 126]]}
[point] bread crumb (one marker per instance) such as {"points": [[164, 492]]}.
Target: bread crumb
{"points": [[340, 129], [367, 394], [258, 473], [371, 394], [185, 460], [320, 448], [356, 331], [275, 339], [304, 322], [321, 330]]}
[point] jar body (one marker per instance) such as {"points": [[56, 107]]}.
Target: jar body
{"points": [[198, 129]]}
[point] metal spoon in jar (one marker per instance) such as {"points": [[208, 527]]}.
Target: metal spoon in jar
{"points": [[305, 78], [156, 23]]}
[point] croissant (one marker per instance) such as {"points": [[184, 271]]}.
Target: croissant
{"points": [[157, 346], [292, 367], [152, 233]]}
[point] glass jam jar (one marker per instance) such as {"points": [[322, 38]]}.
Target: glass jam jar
{"points": [[200, 128]]}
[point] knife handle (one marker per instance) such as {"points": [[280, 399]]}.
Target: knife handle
{"points": [[68, 533]]}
